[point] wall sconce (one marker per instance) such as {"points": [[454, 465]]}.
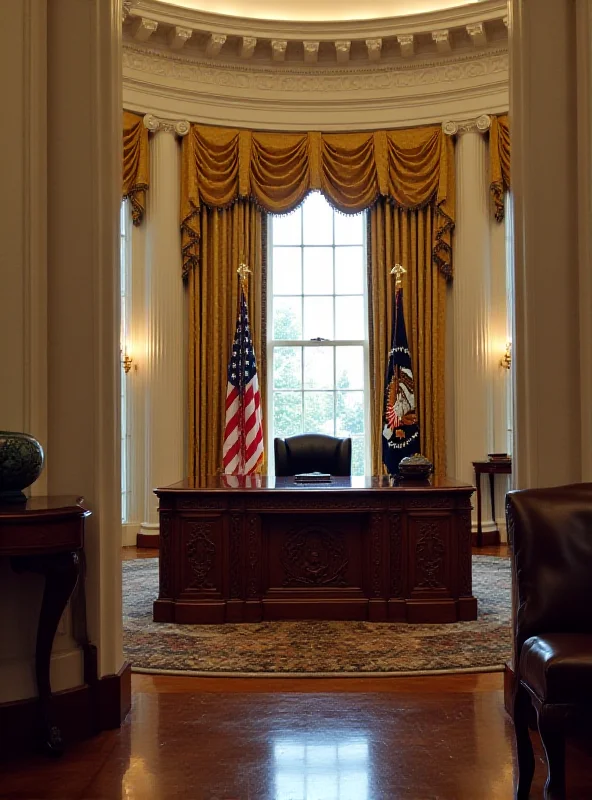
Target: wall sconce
{"points": [[506, 361], [126, 362]]}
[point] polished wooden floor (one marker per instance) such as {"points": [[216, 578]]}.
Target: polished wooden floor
{"points": [[444, 737]]}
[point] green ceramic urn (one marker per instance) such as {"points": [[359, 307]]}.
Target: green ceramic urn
{"points": [[21, 462]]}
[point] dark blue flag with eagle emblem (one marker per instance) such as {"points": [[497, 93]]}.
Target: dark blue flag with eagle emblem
{"points": [[400, 431]]}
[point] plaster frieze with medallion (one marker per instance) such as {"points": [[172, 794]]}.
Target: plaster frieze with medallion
{"points": [[295, 97]]}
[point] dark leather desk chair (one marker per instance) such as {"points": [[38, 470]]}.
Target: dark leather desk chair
{"points": [[550, 531], [312, 452]]}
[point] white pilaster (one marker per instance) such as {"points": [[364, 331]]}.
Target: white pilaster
{"points": [[549, 362], [136, 385], [470, 304], [164, 359], [500, 377]]}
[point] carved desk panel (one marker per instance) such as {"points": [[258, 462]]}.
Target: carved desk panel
{"points": [[251, 549]]}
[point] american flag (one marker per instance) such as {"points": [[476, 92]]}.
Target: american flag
{"points": [[242, 451]]}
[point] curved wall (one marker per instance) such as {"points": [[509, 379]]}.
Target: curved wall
{"points": [[184, 64], [452, 67]]}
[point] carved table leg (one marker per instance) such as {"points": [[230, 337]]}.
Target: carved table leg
{"points": [[479, 528], [61, 573], [492, 496]]}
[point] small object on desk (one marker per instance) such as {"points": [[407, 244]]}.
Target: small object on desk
{"points": [[416, 467], [313, 477], [498, 457]]}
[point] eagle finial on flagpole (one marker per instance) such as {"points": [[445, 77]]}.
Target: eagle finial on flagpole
{"points": [[398, 270], [243, 270]]}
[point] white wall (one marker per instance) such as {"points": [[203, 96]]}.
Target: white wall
{"points": [[61, 299], [551, 182]]}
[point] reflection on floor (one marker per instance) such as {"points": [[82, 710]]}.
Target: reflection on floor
{"points": [[336, 767], [444, 737]]}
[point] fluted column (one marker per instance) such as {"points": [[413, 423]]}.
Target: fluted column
{"points": [[470, 306], [165, 345], [551, 188], [499, 326]]}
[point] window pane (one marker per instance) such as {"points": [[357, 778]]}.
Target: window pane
{"points": [[349, 367], [287, 270], [287, 414], [349, 413], [349, 312], [318, 412], [317, 217], [287, 318], [318, 317], [318, 270], [349, 228], [353, 785], [287, 229], [287, 368], [358, 455], [318, 367], [349, 270]]}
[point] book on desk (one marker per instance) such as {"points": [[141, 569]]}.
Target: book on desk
{"points": [[312, 477]]}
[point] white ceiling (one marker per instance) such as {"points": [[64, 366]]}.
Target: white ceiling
{"points": [[319, 10]]}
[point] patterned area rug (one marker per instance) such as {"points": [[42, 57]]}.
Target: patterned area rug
{"points": [[312, 648]]}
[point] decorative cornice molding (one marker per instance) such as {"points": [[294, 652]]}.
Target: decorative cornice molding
{"points": [[126, 8], [245, 76], [455, 17], [143, 28], [246, 93], [459, 127], [178, 36], [155, 124], [417, 36]]}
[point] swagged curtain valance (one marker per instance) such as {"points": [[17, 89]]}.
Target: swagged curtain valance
{"points": [[499, 155], [136, 164], [411, 168]]}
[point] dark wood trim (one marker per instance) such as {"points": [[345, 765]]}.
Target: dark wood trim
{"points": [[80, 712], [115, 698], [488, 539], [509, 679], [149, 540]]}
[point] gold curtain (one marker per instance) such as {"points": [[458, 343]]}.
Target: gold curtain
{"points": [[276, 170], [403, 236], [136, 166], [499, 156], [227, 235], [228, 175]]}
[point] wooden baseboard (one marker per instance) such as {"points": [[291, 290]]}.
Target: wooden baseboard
{"points": [[509, 678], [149, 540], [488, 538], [80, 712]]}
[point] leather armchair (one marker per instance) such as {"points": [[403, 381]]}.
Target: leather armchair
{"points": [[312, 452], [550, 532]]}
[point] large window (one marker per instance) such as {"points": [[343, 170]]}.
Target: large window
{"points": [[318, 340]]}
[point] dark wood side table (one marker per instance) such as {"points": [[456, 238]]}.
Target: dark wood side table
{"points": [[45, 535], [490, 468]]}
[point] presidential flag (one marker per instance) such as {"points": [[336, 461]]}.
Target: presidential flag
{"points": [[242, 451], [400, 431]]}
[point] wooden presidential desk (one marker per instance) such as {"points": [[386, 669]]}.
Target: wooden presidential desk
{"points": [[356, 548]]}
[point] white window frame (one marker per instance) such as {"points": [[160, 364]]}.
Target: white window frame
{"points": [[334, 343]]}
